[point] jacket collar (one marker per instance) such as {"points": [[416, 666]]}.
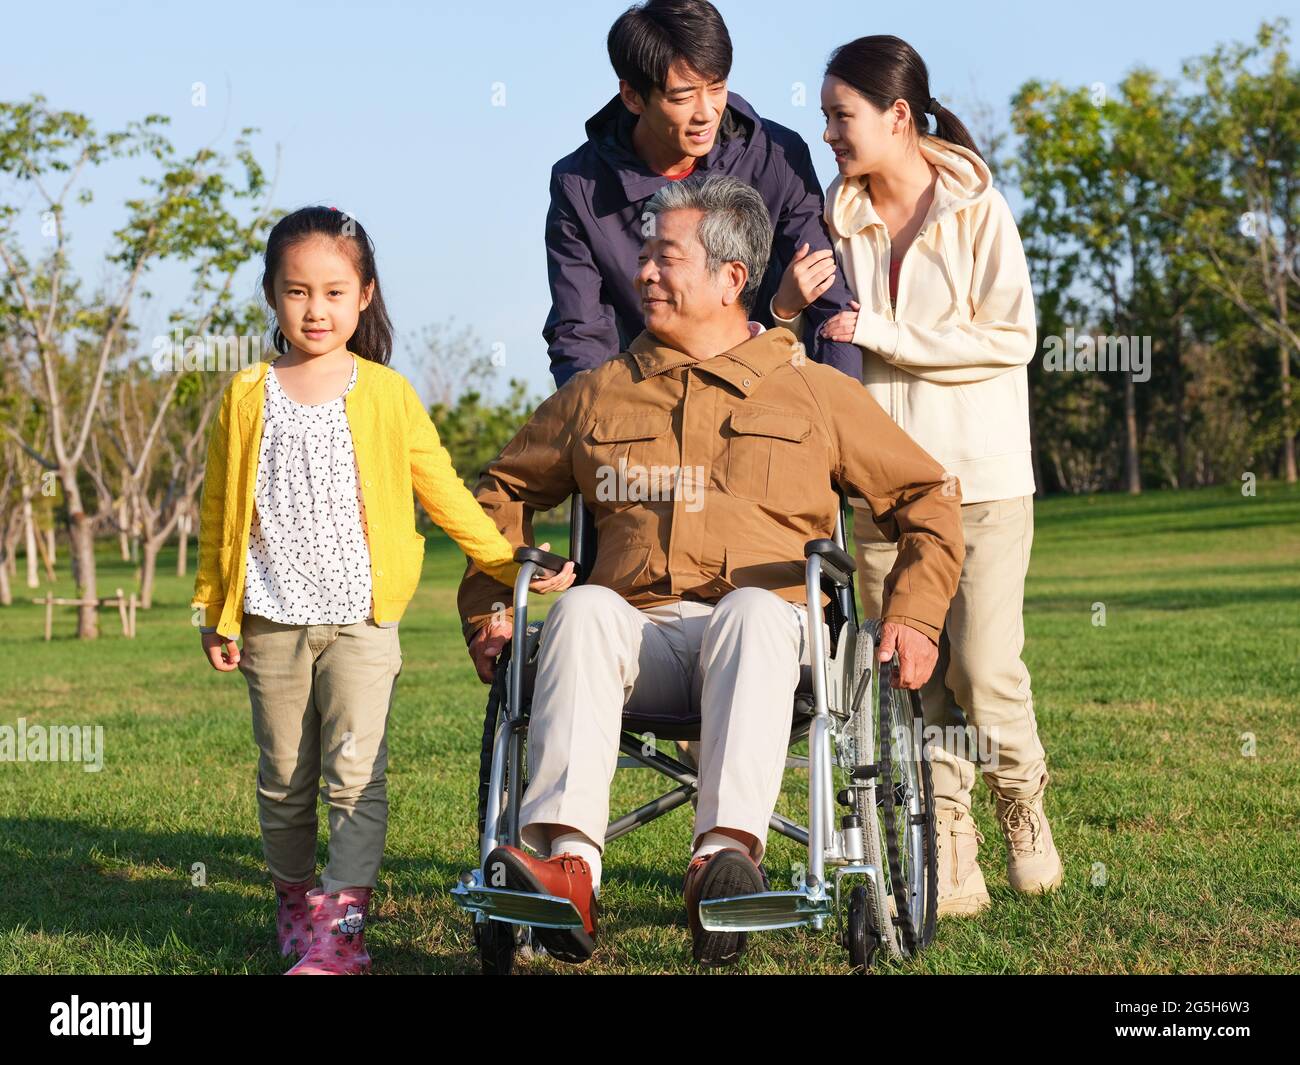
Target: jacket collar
{"points": [[964, 179], [249, 387], [743, 367], [609, 131]]}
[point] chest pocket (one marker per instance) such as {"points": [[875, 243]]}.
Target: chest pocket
{"points": [[633, 449], [769, 456]]}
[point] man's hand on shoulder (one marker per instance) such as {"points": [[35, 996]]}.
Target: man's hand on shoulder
{"points": [[917, 654]]}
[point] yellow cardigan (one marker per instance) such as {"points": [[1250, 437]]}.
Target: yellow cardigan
{"points": [[397, 451]]}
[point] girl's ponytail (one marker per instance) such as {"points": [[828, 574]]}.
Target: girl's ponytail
{"points": [[373, 339], [883, 69]]}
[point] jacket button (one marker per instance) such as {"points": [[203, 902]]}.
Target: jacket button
{"points": [[747, 382], [367, 484], [379, 573]]}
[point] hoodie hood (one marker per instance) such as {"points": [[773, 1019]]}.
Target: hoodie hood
{"points": [[964, 180]]}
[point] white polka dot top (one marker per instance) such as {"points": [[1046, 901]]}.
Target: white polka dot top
{"points": [[308, 557]]}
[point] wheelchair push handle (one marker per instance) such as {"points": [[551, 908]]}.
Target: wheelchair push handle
{"points": [[545, 559]]}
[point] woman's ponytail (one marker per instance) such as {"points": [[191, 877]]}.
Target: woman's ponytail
{"points": [[949, 127]]}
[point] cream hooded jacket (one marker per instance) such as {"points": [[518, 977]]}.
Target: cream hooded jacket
{"points": [[949, 362]]}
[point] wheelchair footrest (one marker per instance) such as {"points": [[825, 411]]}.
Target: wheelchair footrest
{"points": [[766, 909], [517, 907]]}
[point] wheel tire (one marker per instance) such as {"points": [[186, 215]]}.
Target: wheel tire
{"points": [[862, 931], [904, 769], [495, 941], [495, 707], [863, 730]]}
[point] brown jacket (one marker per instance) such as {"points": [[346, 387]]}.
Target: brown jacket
{"points": [[761, 437]]}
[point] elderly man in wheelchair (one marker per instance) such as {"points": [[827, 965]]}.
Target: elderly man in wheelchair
{"points": [[710, 455]]}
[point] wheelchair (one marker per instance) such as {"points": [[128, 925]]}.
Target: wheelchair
{"points": [[871, 872]]}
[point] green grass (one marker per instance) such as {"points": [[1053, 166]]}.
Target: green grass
{"points": [[1144, 721]]}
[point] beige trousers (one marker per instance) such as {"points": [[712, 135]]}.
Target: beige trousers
{"points": [[977, 703], [736, 661], [321, 695]]}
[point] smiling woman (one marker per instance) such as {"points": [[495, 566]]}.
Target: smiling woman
{"points": [[944, 318]]}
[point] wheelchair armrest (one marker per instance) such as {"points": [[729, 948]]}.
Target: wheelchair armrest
{"points": [[545, 559], [837, 564]]}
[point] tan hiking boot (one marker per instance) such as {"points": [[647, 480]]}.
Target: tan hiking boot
{"points": [[961, 884], [1033, 866]]}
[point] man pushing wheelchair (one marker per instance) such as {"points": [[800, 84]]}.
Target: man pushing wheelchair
{"points": [[709, 453]]}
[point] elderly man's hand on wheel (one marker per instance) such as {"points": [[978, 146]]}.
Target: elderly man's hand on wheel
{"points": [[487, 643], [917, 654], [493, 637]]}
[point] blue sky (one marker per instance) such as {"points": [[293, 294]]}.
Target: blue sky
{"points": [[385, 109]]}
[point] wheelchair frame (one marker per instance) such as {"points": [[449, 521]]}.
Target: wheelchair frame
{"points": [[838, 681]]}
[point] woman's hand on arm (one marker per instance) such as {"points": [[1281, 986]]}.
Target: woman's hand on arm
{"points": [[842, 327]]}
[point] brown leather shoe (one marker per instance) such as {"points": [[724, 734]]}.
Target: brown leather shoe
{"points": [[719, 875], [566, 876]]}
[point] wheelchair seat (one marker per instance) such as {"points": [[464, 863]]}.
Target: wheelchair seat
{"points": [[678, 727]]}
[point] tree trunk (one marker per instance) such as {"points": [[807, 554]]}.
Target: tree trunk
{"points": [[6, 592], [182, 543], [51, 542], [123, 543], [82, 535], [1132, 469], [1180, 410], [29, 539], [148, 567], [1288, 427]]}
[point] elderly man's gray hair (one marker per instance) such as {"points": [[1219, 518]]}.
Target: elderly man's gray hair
{"points": [[736, 225]]}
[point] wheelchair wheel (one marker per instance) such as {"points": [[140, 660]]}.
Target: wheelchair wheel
{"points": [[863, 933], [496, 710], [876, 896], [497, 943], [906, 794]]}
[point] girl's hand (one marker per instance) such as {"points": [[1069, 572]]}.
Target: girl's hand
{"points": [[841, 327], [804, 280], [222, 651], [546, 581]]}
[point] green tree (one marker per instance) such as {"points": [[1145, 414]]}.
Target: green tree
{"points": [[65, 342]]}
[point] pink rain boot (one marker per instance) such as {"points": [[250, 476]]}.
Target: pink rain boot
{"points": [[292, 922], [338, 934]]}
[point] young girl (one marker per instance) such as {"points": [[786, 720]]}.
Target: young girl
{"points": [[945, 319], [308, 549]]}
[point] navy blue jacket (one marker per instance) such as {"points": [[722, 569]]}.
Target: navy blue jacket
{"points": [[594, 222]]}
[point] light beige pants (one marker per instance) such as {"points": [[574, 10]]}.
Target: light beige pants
{"points": [[321, 695], [979, 692], [737, 661]]}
